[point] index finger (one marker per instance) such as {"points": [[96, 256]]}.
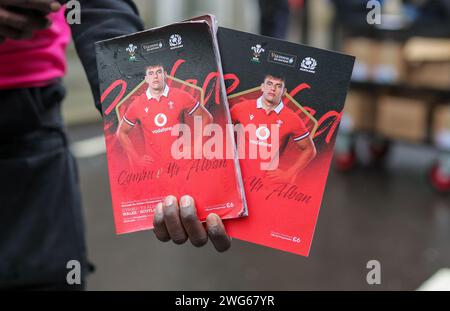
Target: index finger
{"points": [[44, 6], [217, 233], [172, 220], [191, 223]]}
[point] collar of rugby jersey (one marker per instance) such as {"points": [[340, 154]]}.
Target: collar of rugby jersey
{"points": [[277, 109], [165, 92]]}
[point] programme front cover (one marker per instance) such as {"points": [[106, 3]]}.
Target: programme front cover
{"points": [[287, 102], [165, 117]]}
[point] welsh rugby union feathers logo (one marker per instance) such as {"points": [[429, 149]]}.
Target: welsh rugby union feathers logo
{"points": [[257, 51], [131, 49]]}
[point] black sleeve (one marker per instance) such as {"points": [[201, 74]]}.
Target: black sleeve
{"points": [[100, 20]]}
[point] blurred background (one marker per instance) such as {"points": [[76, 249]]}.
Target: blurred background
{"points": [[387, 193]]}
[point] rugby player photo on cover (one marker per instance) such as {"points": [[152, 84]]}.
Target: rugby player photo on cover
{"points": [[161, 90], [270, 112], [157, 111], [287, 99]]}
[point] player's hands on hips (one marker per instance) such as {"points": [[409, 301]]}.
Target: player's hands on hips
{"points": [[281, 176], [19, 18], [179, 222], [145, 160]]}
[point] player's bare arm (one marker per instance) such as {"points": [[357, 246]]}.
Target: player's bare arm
{"points": [[124, 139], [306, 153], [206, 118], [202, 112], [178, 221]]}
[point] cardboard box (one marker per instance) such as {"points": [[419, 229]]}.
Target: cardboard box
{"points": [[428, 62], [389, 64], [379, 61], [360, 110], [402, 118], [441, 126], [434, 75], [362, 49], [418, 50]]}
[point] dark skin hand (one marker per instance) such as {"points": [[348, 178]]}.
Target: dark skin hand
{"points": [[178, 221], [20, 18]]}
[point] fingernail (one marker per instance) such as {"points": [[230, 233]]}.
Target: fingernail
{"points": [[54, 6], [212, 220], [169, 201], [159, 208], [186, 201]]}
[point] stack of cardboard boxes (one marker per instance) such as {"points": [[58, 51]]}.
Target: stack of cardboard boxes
{"points": [[377, 61], [360, 110], [428, 62], [418, 63], [402, 118]]}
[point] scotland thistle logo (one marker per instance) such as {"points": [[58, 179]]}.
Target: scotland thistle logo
{"points": [[257, 51], [308, 64], [175, 41], [131, 49]]}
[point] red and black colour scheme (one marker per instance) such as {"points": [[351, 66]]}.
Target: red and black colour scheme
{"points": [[283, 215], [188, 53]]}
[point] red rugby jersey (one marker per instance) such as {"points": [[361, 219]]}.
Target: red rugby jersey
{"points": [[251, 112], [157, 118]]}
